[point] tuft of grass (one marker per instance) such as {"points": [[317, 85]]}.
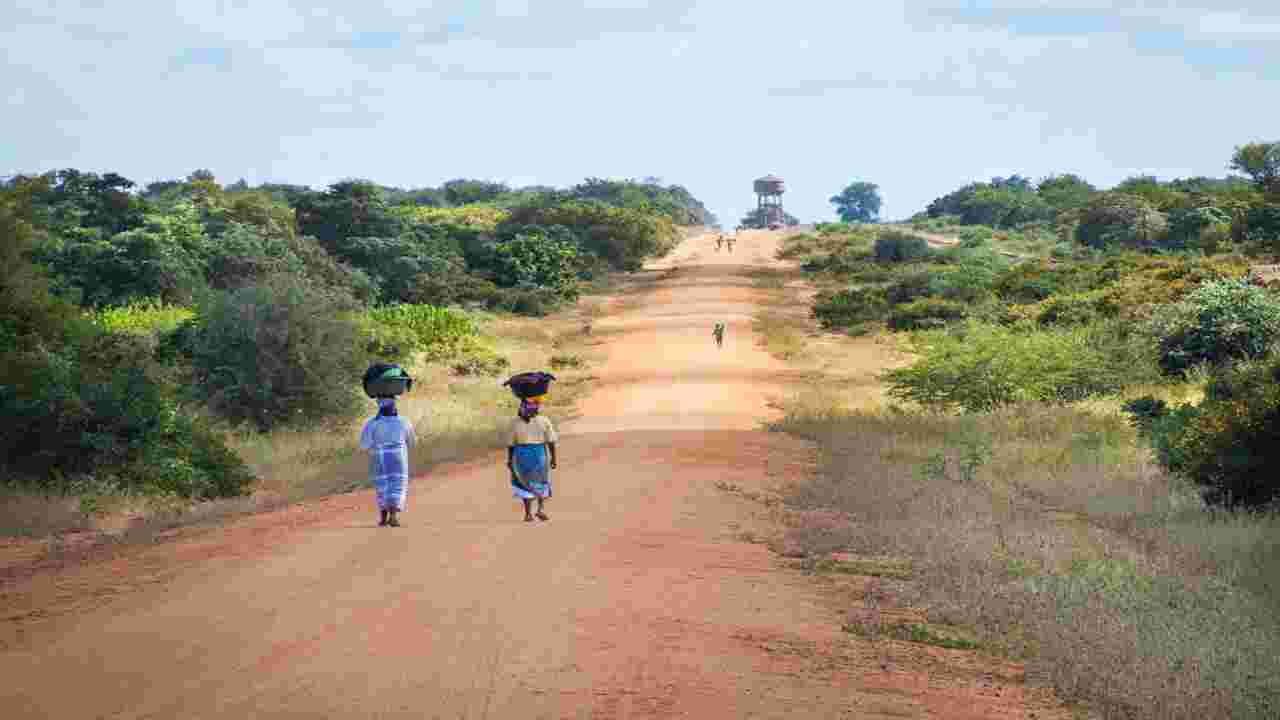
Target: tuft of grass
{"points": [[782, 335], [566, 360], [897, 570], [914, 633]]}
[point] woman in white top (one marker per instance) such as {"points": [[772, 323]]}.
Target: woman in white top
{"points": [[388, 438], [531, 456]]}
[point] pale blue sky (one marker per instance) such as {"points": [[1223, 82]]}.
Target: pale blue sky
{"points": [[919, 97]]}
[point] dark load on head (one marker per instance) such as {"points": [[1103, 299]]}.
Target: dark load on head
{"points": [[386, 380], [529, 384]]}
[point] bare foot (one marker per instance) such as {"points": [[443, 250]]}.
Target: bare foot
{"points": [[542, 516]]}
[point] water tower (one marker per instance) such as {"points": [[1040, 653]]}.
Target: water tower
{"points": [[769, 191]]}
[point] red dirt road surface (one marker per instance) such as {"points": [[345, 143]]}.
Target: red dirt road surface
{"points": [[638, 599]]}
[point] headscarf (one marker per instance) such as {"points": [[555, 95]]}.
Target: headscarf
{"points": [[528, 409], [387, 407]]}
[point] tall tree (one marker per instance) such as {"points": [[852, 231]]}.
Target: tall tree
{"points": [[465, 192], [1260, 161], [1064, 192], [858, 202]]}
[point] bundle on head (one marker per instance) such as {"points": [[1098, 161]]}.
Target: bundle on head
{"points": [[386, 380], [529, 384]]}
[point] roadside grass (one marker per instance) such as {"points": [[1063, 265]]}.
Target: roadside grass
{"points": [[29, 513], [919, 633], [782, 335], [1050, 534]]}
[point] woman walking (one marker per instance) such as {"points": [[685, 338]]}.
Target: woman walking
{"points": [[388, 437], [531, 456]]}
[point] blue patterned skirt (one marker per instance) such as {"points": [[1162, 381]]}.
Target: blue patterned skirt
{"points": [[531, 467], [389, 470]]}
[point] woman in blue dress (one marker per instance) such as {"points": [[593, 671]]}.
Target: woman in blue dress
{"points": [[531, 456]]}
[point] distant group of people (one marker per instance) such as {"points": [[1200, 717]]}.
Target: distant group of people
{"points": [[722, 240]]}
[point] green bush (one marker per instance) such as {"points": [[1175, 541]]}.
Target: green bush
{"points": [[900, 246], [386, 343], [1113, 219], [79, 402], [282, 351], [536, 302], [480, 361], [1218, 322], [166, 258], [148, 316], [926, 313], [536, 257], [975, 236], [970, 278], [1074, 309], [910, 287], [1028, 283], [435, 330], [979, 367], [102, 407], [624, 237], [847, 308], [842, 260], [1205, 228], [1229, 444], [453, 289]]}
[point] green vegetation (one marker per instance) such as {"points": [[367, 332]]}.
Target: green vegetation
{"points": [[858, 202], [1079, 463], [1217, 323], [1146, 291], [145, 333]]}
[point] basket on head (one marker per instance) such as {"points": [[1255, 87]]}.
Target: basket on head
{"points": [[386, 380], [529, 384]]}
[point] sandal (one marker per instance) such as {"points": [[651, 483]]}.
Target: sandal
{"points": [[528, 518], [542, 516]]}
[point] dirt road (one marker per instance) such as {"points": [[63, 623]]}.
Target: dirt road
{"points": [[640, 598]]}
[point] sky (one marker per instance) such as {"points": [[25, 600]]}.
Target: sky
{"points": [[917, 97]]}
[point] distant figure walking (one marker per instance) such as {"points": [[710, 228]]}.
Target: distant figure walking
{"points": [[718, 332], [719, 242], [729, 240]]}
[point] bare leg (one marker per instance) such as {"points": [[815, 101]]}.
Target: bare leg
{"points": [[541, 515], [528, 507]]}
